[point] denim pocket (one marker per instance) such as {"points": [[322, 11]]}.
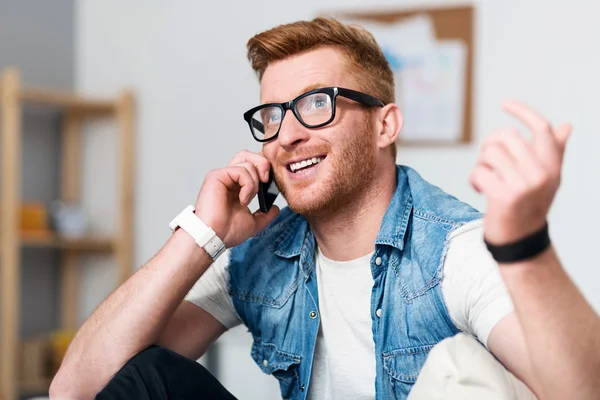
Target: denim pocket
{"points": [[282, 365], [403, 367]]}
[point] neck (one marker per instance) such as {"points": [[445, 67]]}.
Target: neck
{"points": [[351, 232]]}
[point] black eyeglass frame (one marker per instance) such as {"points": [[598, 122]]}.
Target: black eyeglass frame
{"points": [[332, 92]]}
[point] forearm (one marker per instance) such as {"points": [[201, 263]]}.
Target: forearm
{"points": [[561, 330], [132, 317]]}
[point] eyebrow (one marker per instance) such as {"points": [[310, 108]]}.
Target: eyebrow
{"points": [[304, 90]]}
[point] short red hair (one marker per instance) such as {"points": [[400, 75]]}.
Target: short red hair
{"points": [[367, 61]]}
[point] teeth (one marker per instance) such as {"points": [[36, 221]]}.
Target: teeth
{"points": [[305, 163]]}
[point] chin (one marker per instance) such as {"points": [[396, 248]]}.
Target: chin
{"points": [[309, 203]]}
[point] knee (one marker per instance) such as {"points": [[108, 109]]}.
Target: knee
{"points": [[139, 375]]}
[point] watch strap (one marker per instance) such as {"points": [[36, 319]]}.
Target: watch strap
{"points": [[203, 235]]}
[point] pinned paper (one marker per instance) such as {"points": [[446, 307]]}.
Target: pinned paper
{"points": [[429, 76]]}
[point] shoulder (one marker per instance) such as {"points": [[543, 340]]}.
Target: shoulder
{"points": [[432, 203], [469, 232], [466, 246], [474, 291]]}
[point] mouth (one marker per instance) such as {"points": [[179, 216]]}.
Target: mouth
{"points": [[304, 164]]}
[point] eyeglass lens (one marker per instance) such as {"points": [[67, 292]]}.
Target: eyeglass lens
{"points": [[312, 110]]}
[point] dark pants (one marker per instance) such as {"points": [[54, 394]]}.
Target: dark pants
{"points": [[158, 373]]}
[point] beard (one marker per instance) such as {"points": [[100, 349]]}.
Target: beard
{"points": [[351, 174]]}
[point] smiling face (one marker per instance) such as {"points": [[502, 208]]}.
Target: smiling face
{"points": [[320, 170]]}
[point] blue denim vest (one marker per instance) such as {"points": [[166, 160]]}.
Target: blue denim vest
{"points": [[272, 281]]}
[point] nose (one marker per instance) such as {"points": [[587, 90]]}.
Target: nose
{"points": [[292, 132]]}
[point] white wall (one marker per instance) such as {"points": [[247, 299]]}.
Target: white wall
{"points": [[187, 65]]}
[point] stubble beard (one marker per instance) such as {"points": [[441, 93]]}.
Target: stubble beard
{"points": [[352, 174]]}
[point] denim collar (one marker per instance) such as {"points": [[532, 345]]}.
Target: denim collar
{"points": [[393, 227], [396, 218]]}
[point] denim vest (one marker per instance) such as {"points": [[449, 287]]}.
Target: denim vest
{"points": [[273, 285]]}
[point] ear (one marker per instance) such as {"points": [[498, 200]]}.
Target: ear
{"points": [[390, 122]]}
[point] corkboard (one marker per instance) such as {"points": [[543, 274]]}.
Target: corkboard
{"points": [[449, 23]]}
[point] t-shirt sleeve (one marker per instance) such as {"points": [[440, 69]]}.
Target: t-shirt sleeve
{"points": [[474, 292], [210, 293]]}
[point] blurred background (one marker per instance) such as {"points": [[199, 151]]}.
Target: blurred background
{"points": [[119, 109]]}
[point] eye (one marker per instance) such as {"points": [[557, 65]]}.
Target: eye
{"points": [[270, 115], [318, 103], [319, 100]]}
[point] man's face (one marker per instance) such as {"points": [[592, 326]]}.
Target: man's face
{"points": [[346, 147]]}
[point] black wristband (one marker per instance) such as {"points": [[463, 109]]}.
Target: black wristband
{"points": [[523, 249]]}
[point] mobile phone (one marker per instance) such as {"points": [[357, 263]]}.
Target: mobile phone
{"points": [[267, 192]]}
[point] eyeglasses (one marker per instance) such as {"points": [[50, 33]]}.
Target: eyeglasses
{"points": [[313, 109]]}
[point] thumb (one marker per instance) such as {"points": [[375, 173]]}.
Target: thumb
{"points": [[562, 134], [262, 220]]}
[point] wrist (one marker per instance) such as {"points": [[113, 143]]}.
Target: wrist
{"points": [[185, 251], [523, 249], [211, 220], [203, 235]]}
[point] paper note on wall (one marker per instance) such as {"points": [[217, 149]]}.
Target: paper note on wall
{"points": [[429, 78], [430, 93]]}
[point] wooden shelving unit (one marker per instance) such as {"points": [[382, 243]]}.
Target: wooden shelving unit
{"points": [[76, 109], [87, 244], [27, 388]]}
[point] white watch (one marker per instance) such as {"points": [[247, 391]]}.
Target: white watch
{"points": [[202, 234]]}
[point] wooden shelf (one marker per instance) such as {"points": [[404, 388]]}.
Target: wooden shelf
{"points": [[89, 244], [66, 100], [75, 109], [34, 387]]}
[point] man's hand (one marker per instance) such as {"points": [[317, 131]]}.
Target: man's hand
{"points": [[226, 193], [519, 178]]}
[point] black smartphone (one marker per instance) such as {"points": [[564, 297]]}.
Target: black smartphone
{"points": [[267, 193]]}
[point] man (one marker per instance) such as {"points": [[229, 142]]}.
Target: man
{"points": [[347, 290]]}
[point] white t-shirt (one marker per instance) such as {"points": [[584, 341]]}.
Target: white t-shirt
{"points": [[473, 290]]}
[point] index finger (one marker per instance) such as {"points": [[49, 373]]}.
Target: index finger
{"points": [[543, 139], [260, 162], [531, 118]]}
